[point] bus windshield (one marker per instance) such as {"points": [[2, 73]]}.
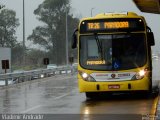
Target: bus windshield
{"points": [[112, 52]]}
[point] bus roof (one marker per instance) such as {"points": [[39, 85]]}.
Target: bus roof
{"points": [[115, 15]]}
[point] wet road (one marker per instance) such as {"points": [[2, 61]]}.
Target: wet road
{"points": [[59, 95]]}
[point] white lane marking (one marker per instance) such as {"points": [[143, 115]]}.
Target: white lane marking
{"points": [[30, 109], [61, 96], [38, 106]]}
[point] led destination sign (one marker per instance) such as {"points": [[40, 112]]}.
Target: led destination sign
{"points": [[112, 25], [107, 25]]}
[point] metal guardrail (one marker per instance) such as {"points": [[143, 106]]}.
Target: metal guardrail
{"points": [[13, 78]]}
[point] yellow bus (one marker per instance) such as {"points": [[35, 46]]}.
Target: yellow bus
{"points": [[114, 53]]}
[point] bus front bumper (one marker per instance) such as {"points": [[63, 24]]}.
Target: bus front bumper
{"points": [[134, 85]]}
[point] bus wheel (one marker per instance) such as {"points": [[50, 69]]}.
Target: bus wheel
{"points": [[91, 95]]}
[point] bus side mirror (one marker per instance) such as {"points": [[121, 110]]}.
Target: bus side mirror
{"points": [[74, 39], [150, 38]]}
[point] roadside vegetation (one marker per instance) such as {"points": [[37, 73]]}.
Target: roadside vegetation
{"points": [[50, 36]]}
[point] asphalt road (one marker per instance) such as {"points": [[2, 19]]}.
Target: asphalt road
{"points": [[59, 95]]}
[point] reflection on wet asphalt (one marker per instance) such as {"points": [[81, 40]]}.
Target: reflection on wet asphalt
{"points": [[31, 95], [59, 95]]}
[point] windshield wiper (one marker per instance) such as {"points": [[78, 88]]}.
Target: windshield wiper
{"points": [[99, 44]]}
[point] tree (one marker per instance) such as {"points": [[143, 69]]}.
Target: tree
{"points": [[35, 61], [2, 6], [8, 25], [52, 35]]}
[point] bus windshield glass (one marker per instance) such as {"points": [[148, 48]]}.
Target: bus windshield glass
{"points": [[112, 52]]}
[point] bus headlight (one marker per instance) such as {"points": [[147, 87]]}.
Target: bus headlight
{"points": [[142, 72], [139, 75], [86, 76]]}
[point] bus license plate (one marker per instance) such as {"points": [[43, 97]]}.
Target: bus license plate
{"points": [[113, 86]]}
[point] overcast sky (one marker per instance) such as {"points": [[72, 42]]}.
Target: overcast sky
{"points": [[81, 8]]}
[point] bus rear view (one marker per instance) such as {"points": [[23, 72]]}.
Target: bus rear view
{"points": [[114, 53]]}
